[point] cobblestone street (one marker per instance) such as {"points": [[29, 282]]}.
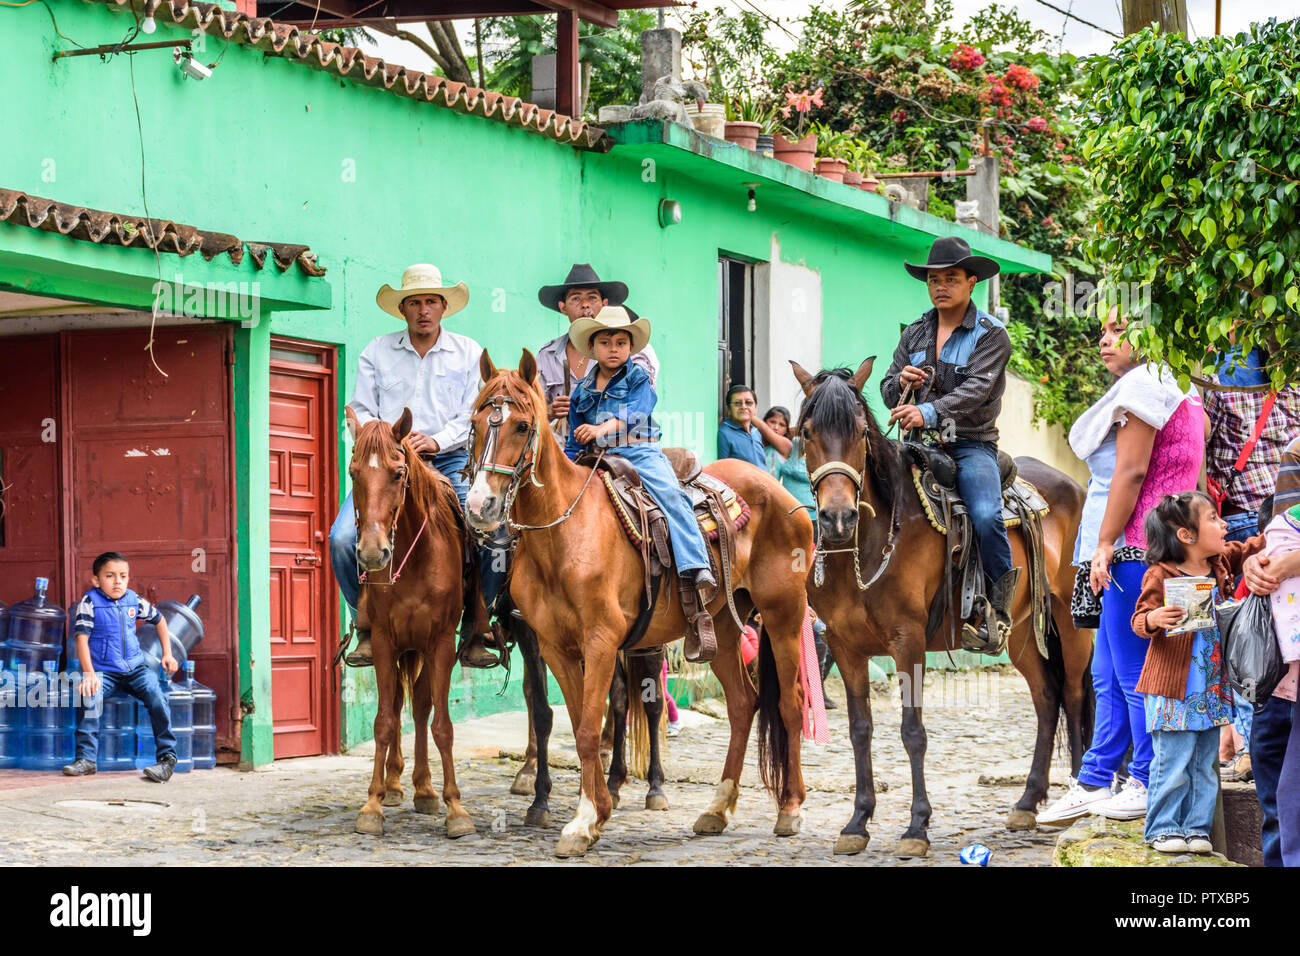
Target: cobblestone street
{"points": [[302, 811]]}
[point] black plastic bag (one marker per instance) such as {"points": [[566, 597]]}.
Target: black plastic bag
{"points": [[1252, 660]]}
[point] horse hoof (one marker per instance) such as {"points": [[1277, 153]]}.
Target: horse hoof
{"points": [[656, 801], [524, 784], [912, 847], [537, 817], [787, 824], [613, 799], [428, 804], [459, 827], [393, 798], [1022, 819], [710, 823], [371, 824], [571, 846], [846, 844]]}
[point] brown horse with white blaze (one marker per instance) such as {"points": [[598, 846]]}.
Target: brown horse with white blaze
{"points": [[579, 584], [410, 552], [865, 495]]}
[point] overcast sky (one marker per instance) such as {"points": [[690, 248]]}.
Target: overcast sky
{"points": [[1075, 37]]}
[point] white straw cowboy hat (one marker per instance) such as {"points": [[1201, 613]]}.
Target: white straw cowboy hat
{"points": [[422, 279], [615, 318]]}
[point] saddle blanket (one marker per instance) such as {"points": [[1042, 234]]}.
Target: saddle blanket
{"points": [[737, 509], [932, 493]]}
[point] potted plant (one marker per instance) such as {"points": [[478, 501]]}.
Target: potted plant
{"points": [[864, 161], [834, 150], [792, 143], [745, 121]]}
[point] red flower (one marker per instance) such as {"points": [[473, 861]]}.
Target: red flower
{"points": [[965, 57], [899, 116], [1020, 77], [1037, 124]]}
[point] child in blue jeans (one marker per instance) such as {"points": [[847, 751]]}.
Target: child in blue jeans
{"points": [[111, 659], [1187, 698]]}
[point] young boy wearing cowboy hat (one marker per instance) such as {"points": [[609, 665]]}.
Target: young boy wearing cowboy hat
{"points": [[955, 358], [612, 407], [435, 373]]}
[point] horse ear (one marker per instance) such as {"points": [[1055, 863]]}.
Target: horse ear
{"points": [[805, 378], [528, 366], [863, 373], [351, 418], [485, 367], [402, 427]]}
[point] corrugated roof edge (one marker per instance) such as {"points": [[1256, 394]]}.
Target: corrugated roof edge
{"points": [[346, 61], [108, 228]]}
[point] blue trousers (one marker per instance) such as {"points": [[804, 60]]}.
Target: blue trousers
{"points": [[659, 480], [1288, 793], [343, 538], [142, 684], [1184, 783], [980, 485], [1271, 729], [1116, 663]]}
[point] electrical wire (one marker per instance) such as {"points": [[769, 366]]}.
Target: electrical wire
{"points": [[1080, 19], [25, 3], [56, 26]]}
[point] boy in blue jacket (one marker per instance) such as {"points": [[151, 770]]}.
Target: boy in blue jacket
{"points": [[611, 407], [111, 658]]}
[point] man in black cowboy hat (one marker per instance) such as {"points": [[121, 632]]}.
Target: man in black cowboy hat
{"points": [[559, 365], [955, 358]]}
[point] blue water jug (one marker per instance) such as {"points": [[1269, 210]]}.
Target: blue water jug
{"points": [[11, 730], [117, 734], [4, 628], [145, 745], [152, 648], [36, 628], [205, 720], [180, 704], [49, 722]]}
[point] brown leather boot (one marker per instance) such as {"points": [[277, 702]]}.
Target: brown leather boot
{"points": [[701, 643]]}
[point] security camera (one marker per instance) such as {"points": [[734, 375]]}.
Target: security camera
{"points": [[189, 66]]}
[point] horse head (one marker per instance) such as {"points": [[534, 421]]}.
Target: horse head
{"points": [[379, 481], [838, 432], [508, 419]]}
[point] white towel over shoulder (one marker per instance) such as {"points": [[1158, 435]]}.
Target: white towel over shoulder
{"points": [[1149, 391]]}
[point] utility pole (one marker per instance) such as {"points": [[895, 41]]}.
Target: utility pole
{"points": [[1169, 15]]}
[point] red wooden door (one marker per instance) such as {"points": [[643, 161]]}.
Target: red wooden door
{"points": [[30, 436], [303, 603]]}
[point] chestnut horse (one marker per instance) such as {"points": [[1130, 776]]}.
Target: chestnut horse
{"points": [[579, 582], [866, 494], [410, 546]]}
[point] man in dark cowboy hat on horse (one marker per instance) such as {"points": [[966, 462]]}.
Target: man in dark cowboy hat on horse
{"points": [[954, 358]]}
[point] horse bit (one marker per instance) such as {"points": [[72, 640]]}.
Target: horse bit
{"points": [[856, 477], [362, 574]]}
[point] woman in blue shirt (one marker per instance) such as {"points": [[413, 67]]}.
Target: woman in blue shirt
{"points": [[790, 469], [612, 407]]}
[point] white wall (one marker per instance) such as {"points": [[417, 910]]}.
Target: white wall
{"points": [[787, 325], [1018, 436]]}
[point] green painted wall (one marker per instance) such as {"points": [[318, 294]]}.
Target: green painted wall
{"points": [[269, 149]]}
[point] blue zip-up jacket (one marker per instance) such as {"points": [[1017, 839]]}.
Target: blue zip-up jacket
{"points": [[110, 627]]}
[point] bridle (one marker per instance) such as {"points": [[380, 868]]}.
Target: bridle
{"points": [[855, 476], [393, 576], [526, 462]]}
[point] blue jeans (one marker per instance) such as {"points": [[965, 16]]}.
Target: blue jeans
{"points": [[1184, 783], [1116, 663], [142, 684], [1240, 527], [980, 485], [1288, 794], [658, 479], [1271, 730], [343, 538]]}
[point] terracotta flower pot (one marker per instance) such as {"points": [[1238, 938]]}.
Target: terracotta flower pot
{"points": [[800, 153], [852, 178], [744, 133], [869, 184], [832, 169]]}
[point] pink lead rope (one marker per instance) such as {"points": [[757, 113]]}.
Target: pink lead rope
{"points": [[815, 727]]}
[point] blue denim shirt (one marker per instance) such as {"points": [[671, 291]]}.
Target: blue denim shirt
{"points": [[628, 396]]}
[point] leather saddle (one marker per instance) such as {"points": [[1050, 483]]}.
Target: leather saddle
{"points": [[934, 475], [719, 510]]}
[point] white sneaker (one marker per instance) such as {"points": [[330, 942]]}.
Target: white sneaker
{"points": [[1076, 803], [1200, 844], [1171, 843], [1129, 804]]}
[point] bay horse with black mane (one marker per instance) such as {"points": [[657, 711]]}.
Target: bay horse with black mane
{"points": [[579, 583], [410, 552], [864, 493]]}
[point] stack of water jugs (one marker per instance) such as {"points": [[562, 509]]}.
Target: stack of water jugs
{"points": [[38, 713]]}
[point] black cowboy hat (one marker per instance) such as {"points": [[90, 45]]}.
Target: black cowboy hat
{"points": [[950, 252], [581, 276]]}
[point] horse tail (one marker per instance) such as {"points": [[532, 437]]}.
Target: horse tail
{"points": [[409, 665], [1054, 684], [639, 729], [773, 741]]}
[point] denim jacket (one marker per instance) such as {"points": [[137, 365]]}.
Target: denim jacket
{"points": [[628, 396]]}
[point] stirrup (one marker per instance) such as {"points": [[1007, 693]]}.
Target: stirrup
{"points": [[495, 656], [356, 658], [701, 644]]}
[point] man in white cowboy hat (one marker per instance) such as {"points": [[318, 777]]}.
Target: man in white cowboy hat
{"points": [[435, 373], [954, 360], [560, 365]]}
